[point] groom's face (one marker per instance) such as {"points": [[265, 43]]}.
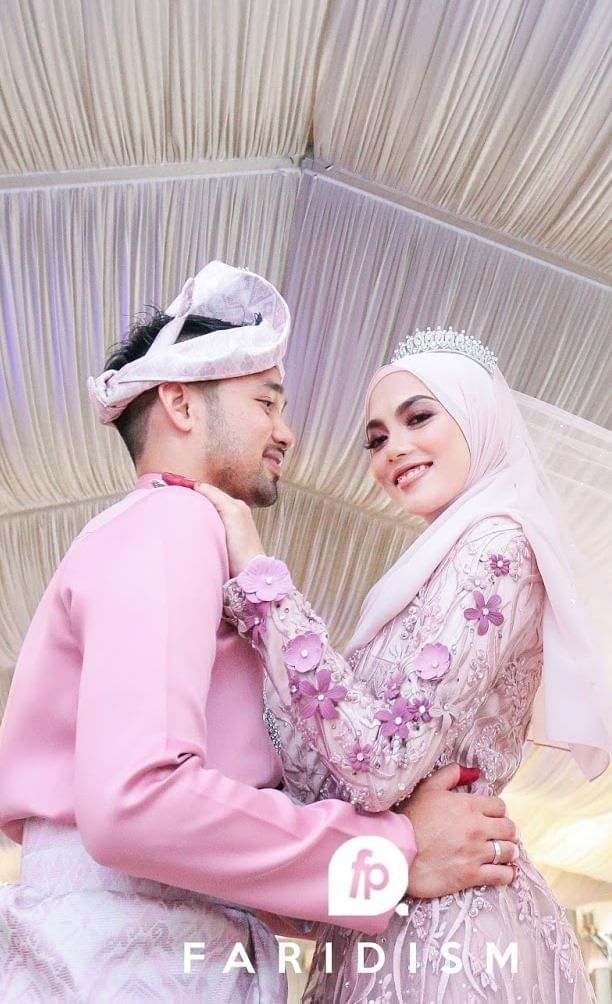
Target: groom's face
{"points": [[245, 437]]}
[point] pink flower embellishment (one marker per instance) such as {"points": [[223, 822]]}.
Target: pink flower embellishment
{"points": [[321, 699], [499, 565], [418, 708], [265, 579], [294, 688], [359, 757], [485, 612], [304, 652], [255, 622], [432, 662], [395, 722], [392, 687]]}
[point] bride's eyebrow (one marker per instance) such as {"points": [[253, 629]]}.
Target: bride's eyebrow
{"points": [[405, 405], [376, 423]]}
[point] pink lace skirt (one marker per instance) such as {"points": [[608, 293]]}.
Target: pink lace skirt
{"points": [[75, 932], [441, 952]]}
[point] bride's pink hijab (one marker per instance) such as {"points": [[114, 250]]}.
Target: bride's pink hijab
{"points": [[505, 478]]}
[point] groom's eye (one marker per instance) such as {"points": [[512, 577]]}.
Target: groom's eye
{"points": [[270, 404]]}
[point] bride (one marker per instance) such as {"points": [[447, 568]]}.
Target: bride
{"points": [[473, 637]]}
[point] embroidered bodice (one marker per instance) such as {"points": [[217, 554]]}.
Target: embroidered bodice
{"points": [[451, 678]]}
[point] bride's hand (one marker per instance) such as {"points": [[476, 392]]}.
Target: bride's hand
{"points": [[243, 541]]}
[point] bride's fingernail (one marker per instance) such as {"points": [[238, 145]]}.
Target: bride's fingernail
{"points": [[467, 775], [178, 479]]}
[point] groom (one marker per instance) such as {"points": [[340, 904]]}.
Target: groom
{"points": [[134, 724]]}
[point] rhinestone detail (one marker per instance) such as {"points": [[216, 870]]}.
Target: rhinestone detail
{"points": [[446, 340]]}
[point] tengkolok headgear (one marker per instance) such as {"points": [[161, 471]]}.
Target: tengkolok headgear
{"points": [[229, 294]]}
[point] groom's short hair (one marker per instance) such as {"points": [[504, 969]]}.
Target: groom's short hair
{"points": [[133, 421]]}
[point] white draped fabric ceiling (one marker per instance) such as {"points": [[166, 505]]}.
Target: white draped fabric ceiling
{"points": [[389, 165]]}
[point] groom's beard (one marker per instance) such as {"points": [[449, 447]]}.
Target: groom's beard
{"points": [[227, 459], [258, 489]]}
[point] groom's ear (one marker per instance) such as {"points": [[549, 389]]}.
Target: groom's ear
{"points": [[176, 399]]}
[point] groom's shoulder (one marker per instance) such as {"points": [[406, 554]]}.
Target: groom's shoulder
{"points": [[147, 513]]}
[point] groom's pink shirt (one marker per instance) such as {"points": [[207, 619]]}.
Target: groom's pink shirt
{"points": [[136, 713]]}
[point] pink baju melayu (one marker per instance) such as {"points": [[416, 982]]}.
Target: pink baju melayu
{"points": [[131, 754]]}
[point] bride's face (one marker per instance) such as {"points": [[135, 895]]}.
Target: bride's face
{"points": [[419, 454]]}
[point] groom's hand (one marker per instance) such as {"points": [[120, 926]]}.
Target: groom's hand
{"points": [[454, 833]]}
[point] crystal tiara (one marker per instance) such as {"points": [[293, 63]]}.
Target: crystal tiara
{"points": [[446, 340]]}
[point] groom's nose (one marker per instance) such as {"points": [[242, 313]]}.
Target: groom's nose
{"points": [[282, 434]]}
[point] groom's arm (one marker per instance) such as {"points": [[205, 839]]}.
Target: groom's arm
{"points": [[145, 602]]}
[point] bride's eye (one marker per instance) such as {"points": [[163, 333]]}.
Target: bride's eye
{"points": [[421, 417], [375, 443]]}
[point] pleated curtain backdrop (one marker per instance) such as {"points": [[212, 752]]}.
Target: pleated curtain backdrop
{"points": [[457, 174]]}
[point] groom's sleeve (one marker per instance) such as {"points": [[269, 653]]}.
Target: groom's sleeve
{"points": [[145, 599]]}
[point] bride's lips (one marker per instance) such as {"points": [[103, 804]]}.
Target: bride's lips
{"points": [[407, 475]]}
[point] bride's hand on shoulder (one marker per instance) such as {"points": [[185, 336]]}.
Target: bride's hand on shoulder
{"points": [[243, 540]]}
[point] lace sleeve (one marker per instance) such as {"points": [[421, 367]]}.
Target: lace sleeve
{"points": [[379, 733]]}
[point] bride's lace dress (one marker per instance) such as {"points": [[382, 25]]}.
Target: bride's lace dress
{"points": [[451, 678]]}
